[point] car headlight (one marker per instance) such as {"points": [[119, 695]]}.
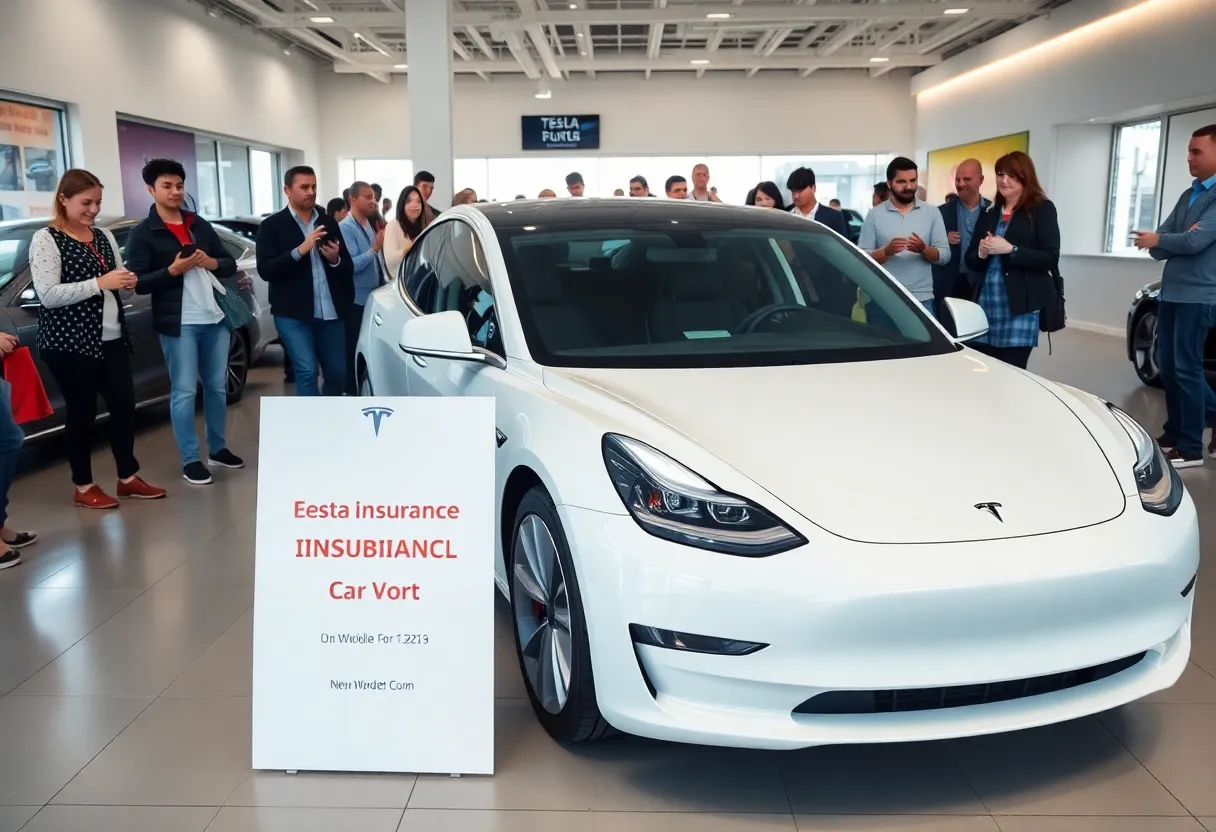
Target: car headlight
{"points": [[671, 502], [1158, 482]]}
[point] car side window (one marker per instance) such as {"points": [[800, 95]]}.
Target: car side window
{"points": [[234, 246], [464, 286], [421, 281], [121, 235]]}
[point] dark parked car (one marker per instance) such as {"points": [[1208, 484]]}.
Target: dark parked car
{"points": [[21, 309], [852, 224], [1142, 338]]}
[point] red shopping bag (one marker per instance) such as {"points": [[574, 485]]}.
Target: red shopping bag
{"points": [[30, 402]]}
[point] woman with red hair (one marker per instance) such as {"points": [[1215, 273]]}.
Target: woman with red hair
{"points": [[1016, 250]]}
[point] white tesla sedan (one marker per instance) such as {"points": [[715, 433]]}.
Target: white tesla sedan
{"points": [[750, 494]]}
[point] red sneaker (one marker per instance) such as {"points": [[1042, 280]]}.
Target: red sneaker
{"points": [[139, 490], [93, 498]]}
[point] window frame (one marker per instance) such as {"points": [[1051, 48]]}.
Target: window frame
{"points": [[1108, 241]]}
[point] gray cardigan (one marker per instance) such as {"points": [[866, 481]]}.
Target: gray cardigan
{"points": [[1189, 255]]}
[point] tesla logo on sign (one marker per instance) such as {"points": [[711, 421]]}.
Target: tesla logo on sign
{"points": [[377, 414], [991, 508]]}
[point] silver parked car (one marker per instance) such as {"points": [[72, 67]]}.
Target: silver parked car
{"points": [[21, 308]]}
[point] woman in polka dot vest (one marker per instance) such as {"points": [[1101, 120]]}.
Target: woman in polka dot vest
{"points": [[82, 335]]}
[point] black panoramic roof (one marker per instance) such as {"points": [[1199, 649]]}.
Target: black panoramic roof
{"points": [[627, 212]]}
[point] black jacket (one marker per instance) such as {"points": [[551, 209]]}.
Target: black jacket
{"points": [[291, 294], [1036, 234], [945, 278], [152, 248], [829, 216]]}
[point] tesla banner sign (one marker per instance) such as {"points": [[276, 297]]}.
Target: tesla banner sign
{"points": [[373, 646], [561, 132]]}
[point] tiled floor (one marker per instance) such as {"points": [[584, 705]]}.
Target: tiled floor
{"points": [[125, 663]]}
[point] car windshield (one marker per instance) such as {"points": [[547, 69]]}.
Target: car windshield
{"points": [[712, 293], [15, 249]]}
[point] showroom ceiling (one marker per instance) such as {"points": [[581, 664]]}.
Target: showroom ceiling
{"points": [[552, 39]]}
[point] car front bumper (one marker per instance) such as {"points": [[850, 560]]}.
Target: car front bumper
{"points": [[843, 616]]}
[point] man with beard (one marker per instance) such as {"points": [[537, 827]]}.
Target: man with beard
{"points": [[302, 256], [907, 235]]}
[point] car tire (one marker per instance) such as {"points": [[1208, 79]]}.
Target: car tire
{"points": [[1143, 348], [549, 625], [365, 385], [237, 371]]}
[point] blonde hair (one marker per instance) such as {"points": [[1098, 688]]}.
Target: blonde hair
{"points": [[73, 182], [468, 195]]}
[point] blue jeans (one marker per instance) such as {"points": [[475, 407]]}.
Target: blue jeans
{"points": [[312, 344], [11, 439], [200, 353], [1190, 402]]}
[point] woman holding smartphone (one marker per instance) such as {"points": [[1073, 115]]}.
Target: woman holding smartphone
{"points": [[179, 258], [82, 335], [1015, 249]]}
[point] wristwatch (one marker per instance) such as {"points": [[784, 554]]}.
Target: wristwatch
{"points": [[1013, 251]]}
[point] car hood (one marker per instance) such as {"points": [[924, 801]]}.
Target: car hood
{"points": [[884, 451]]}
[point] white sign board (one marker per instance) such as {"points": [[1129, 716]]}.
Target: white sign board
{"points": [[373, 640]]}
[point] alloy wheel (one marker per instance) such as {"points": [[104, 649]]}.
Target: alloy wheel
{"points": [[1144, 346], [238, 366], [542, 613]]}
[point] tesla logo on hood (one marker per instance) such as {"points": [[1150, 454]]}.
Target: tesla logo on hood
{"points": [[991, 508]]}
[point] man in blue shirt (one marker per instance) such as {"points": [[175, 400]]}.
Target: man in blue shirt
{"points": [[364, 243], [906, 236], [1186, 313]]}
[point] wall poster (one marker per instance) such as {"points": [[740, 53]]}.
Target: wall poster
{"points": [[31, 159], [939, 178]]}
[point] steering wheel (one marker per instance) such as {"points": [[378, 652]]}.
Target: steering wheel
{"points": [[749, 323]]}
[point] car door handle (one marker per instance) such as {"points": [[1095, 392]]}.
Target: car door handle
{"points": [[419, 360], [377, 320], [127, 305]]}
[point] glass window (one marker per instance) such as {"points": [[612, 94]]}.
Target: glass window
{"points": [[464, 286], [234, 245], [32, 158], [208, 179], [420, 268], [706, 291], [15, 249], [448, 272], [392, 175], [264, 178], [247, 229], [733, 176], [1134, 183], [235, 189], [121, 235], [475, 174], [849, 178], [529, 175]]}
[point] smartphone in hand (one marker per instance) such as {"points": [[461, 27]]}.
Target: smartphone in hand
{"points": [[188, 249]]}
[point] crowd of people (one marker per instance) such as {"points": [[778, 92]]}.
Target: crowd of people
{"points": [[321, 265]]}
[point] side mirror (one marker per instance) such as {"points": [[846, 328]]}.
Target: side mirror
{"points": [[439, 335], [29, 299], [968, 319]]}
